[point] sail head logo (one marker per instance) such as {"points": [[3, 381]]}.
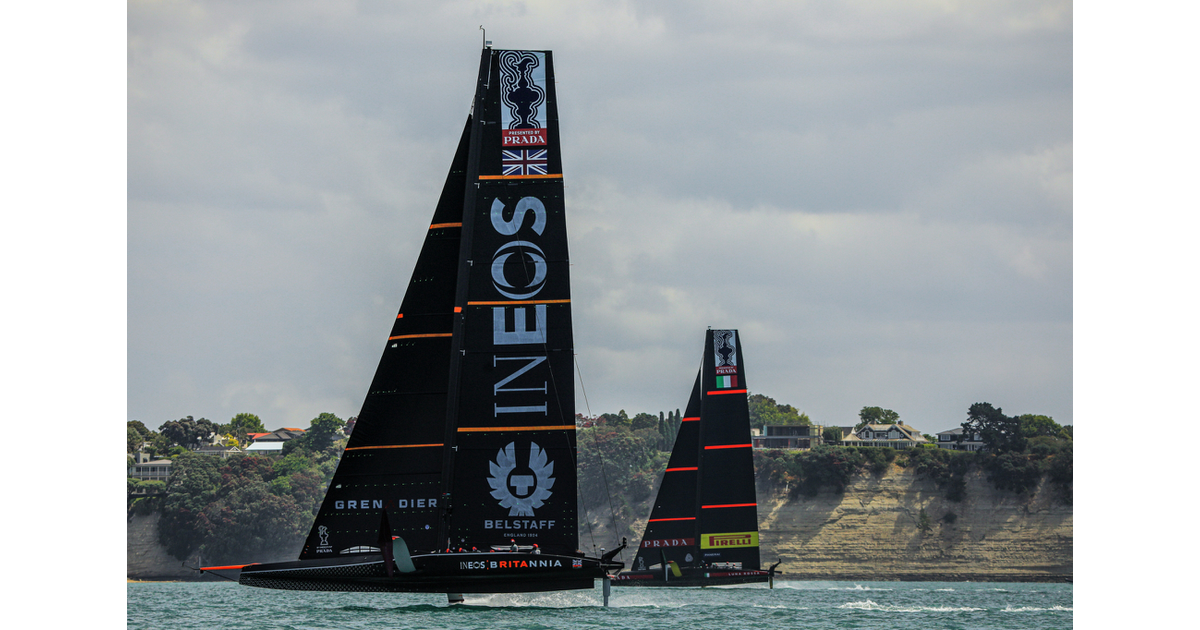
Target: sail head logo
{"points": [[522, 489], [725, 351], [523, 96]]}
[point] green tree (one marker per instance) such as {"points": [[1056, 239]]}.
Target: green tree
{"points": [[135, 439], [642, 421], [193, 485], [242, 424], [251, 522], [1012, 470], [323, 430], [617, 468], [1037, 426], [999, 433], [831, 435], [876, 415], [187, 432], [616, 419], [137, 434], [765, 410], [158, 446], [140, 428]]}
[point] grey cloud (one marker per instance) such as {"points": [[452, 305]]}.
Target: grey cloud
{"points": [[877, 195]]}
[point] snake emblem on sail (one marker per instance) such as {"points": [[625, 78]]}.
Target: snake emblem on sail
{"points": [[531, 490]]}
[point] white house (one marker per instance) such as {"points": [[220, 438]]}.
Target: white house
{"points": [[949, 440], [891, 435]]}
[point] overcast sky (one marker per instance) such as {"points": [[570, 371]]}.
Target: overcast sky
{"points": [[878, 195]]}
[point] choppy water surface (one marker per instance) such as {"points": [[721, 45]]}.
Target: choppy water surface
{"points": [[890, 605]]}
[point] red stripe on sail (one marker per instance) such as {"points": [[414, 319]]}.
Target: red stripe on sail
{"points": [[681, 468], [727, 391], [709, 448]]}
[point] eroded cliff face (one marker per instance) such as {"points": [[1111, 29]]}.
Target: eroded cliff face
{"points": [[872, 532], [145, 558]]}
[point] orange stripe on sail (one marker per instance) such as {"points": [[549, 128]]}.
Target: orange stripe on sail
{"points": [[364, 448], [444, 225], [727, 391], [709, 448], [730, 505], [553, 427], [506, 303], [674, 469], [696, 419], [420, 335], [686, 518]]}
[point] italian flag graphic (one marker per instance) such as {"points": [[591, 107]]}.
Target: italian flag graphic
{"points": [[726, 381]]}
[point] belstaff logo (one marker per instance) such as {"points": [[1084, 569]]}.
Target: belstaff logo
{"points": [[531, 490]]}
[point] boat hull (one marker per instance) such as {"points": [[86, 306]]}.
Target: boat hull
{"points": [[470, 572], [690, 577]]}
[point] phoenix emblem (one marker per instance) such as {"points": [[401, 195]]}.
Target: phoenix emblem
{"points": [[531, 490]]}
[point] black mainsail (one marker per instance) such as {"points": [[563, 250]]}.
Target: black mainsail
{"points": [[459, 476], [703, 529]]}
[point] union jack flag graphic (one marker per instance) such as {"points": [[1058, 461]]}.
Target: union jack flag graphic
{"points": [[523, 162]]}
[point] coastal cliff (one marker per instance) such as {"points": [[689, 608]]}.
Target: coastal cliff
{"points": [[146, 558], [872, 531]]}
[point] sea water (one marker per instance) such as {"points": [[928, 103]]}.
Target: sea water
{"points": [[791, 604]]}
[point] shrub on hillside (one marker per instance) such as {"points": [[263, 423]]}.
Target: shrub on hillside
{"points": [[878, 459], [1013, 471], [241, 508], [1059, 469], [945, 467], [617, 462]]}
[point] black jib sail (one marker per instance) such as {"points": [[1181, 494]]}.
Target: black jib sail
{"points": [[460, 473], [703, 528]]}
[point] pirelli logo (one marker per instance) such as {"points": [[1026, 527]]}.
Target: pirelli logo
{"points": [[729, 541]]}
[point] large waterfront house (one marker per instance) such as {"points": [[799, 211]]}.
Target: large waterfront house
{"points": [[898, 435], [950, 440], [791, 436], [146, 469], [787, 436]]}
